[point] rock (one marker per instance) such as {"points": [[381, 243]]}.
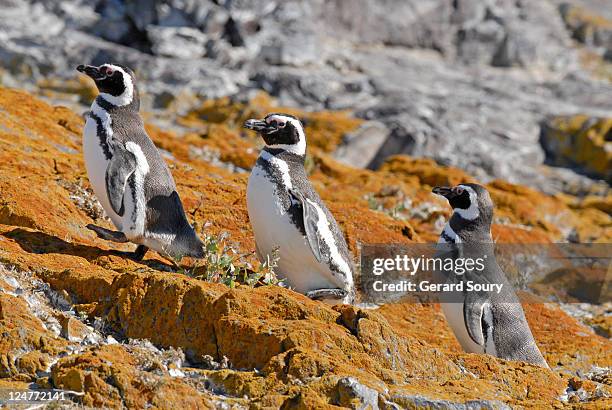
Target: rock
{"points": [[299, 50], [392, 22], [178, 42], [164, 338], [406, 401], [588, 26], [360, 147], [433, 124], [580, 142], [355, 395], [109, 375], [170, 16], [422, 69], [141, 13], [478, 43], [233, 33], [113, 24], [73, 329]]}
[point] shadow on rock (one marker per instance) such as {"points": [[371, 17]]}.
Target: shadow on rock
{"points": [[42, 243]]}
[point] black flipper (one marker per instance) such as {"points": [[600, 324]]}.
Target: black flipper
{"points": [[473, 314], [107, 234], [311, 218], [121, 166]]}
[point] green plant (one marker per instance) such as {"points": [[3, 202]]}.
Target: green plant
{"points": [[223, 263], [400, 210], [264, 273]]}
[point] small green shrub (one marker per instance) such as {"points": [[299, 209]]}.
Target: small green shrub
{"points": [[223, 263]]}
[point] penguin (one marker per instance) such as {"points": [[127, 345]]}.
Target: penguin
{"points": [[484, 322], [127, 173], [288, 216]]}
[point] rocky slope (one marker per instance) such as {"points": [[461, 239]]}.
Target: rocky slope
{"points": [[76, 314], [465, 82]]}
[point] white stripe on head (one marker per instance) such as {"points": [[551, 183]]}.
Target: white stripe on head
{"points": [[300, 147], [472, 212], [328, 238], [280, 165], [127, 95]]}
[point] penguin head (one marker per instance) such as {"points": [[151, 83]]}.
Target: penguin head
{"points": [[471, 202], [116, 83], [280, 131]]}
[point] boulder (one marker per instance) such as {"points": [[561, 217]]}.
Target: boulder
{"points": [[580, 142], [177, 42]]}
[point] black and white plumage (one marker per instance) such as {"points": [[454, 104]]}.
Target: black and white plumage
{"points": [[287, 214], [485, 322], [128, 174]]}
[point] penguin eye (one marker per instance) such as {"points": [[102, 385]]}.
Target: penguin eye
{"points": [[459, 190], [281, 124], [108, 71]]}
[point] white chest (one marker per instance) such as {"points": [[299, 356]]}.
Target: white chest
{"points": [[96, 164], [273, 229], [270, 221]]}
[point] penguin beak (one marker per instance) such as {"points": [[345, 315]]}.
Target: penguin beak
{"points": [[259, 126], [91, 71], [445, 191]]}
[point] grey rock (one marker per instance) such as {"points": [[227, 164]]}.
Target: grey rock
{"points": [[420, 70], [314, 88], [483, 121], [178, 42], [512, 34], [169, 16], [390, 22], [477, 44], [212, 20], [76, 14], [141, 13], [360, 147], [514, 50], [298, 50], [579, 19], [468, 12], [113, 24], [406, 401], [350, 390]]}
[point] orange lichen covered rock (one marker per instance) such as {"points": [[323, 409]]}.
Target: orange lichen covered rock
{"points": [[109, 377], [425, 171], [189, 343], [324, 129], [580, 141]]}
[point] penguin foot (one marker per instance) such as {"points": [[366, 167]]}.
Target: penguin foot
{"points": [[140, 253], [114, 236], [322, 294]]}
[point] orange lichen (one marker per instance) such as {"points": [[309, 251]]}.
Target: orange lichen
{"points": [[400, 350]]}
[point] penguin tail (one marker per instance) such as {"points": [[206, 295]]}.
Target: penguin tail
{"points": [[193, 245], [186, 243]]}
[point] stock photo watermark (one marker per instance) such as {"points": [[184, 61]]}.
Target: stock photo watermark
{"points": [[447, 272]]}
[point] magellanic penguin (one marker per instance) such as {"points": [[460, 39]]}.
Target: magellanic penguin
{"points": [[483, 322], [128, 174], [287, 215]]}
